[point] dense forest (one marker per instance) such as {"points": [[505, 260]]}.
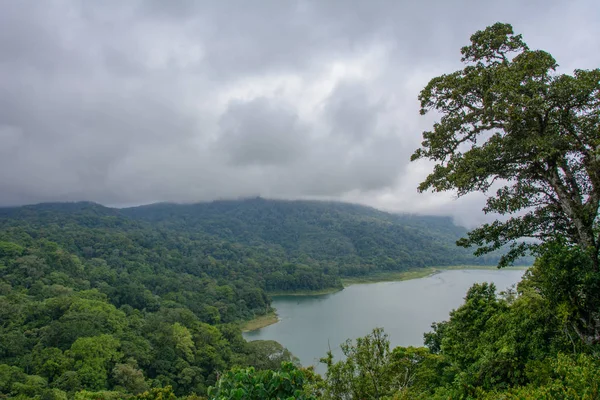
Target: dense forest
{"points": [[126, 300], [276, 245]]}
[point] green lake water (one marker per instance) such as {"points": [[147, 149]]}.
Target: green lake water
{"points": [[309, 325]]}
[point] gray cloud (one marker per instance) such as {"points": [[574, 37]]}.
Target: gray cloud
{"points": [[258, 132], [140, 101], [351, 113]]}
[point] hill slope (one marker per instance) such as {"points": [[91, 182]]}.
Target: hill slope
{"points": [[355, 239], [281, 245], [160, 288]]}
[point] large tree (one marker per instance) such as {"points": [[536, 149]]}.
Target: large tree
{"points": [[511, 124]]}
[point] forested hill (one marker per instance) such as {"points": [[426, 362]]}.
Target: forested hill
{"points": [[100, 298], [335, 239], [353, 238]]}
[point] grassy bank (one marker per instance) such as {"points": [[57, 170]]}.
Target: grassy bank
{"points": [[415, 274], [260, 322], [308, 292], [490, 267], [390, 276]]}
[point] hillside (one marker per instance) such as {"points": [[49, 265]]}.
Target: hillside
{"points": [[159, 290], [334, 239], [355, 239]]}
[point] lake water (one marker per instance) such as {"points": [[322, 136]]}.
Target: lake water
{"points": [[309, 325]]}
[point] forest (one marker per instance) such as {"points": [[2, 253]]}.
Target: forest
{"points": [[127, 300], [277, 245]]}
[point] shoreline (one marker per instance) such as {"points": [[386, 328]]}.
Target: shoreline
{"points": [[319, 292], [418, 273], [259, 322], [392, 276], [396, 276]]}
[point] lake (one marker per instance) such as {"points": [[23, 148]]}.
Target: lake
{"points": [[309, 325]]}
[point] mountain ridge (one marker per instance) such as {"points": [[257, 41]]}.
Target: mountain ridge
{"points": [[352, 238]]}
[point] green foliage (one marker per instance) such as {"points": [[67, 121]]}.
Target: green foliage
{"points": [[371, 370], [572, 378], [287, 383], [416, 371], [493, 343], [509, 119], [268, 354], [128, 377], [8, 249], [103, 302], [93, 358], [101, 395], [340, 239], [517, 344], [365, 371], [64, 328], [157, 394], [565, 276], [14, 383]]}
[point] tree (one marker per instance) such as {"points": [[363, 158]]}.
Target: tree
{"points": [[129, 377], [365, 372], [371, 370], [509, 119], [268, 354], [93, 358], [563, 277], [249, 384], [494, 342], [183, 341], [415, 371], [8, 249], [574, 377]]}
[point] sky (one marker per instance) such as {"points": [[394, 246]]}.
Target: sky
{"points": [[134, 102]]}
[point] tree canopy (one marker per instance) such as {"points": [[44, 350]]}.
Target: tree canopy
{"points": [[98, 302], [510, 122]]}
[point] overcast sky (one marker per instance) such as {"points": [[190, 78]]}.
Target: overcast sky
{"points": [[132, 102]]}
